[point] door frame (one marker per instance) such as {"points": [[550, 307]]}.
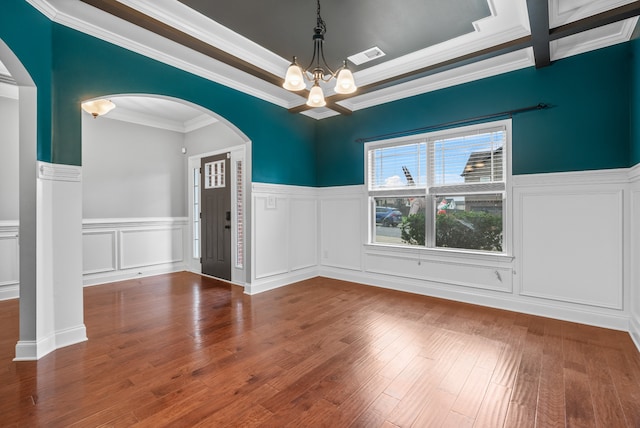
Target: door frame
{"points": [[239, 274]]}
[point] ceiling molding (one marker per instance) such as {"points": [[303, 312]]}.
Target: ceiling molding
{"points": [[618, 32], [173, 12], [189, 40], [199, 122], [45, 8], [478, 70], [601, 19], [138, 118], [441, 68], [8, 90], [562, 12], [83, 18]]}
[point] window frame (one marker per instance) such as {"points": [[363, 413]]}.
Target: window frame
{"points": [[431, 197]]}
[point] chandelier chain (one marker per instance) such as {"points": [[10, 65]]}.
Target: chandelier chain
{"points": [[320, 22]]}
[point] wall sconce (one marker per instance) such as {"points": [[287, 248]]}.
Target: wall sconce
{"points": [[98, 107]]}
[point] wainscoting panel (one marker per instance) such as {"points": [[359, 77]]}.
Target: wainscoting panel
{"points": [[303, 235], [116, 249], [99, 249], [572, 244], [9, 267], [148, 247], [284, 235], [342, 227], [271, 229], [456, 273]]}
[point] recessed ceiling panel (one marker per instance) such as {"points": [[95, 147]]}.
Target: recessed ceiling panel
{"points": [[398, 27]]}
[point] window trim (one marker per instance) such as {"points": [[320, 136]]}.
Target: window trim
{"points": [[507, 220]]}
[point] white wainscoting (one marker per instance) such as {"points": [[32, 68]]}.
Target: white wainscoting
{"points": [[117, 249], [9, 260], [570, 242], [284, 235], [342, 230], [634, 259]]}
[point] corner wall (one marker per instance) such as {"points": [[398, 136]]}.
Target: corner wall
{"points": [[634, 258]]}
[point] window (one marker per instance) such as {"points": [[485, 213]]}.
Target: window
{"points": [[445, 189], [195, 221], [239, 216]]}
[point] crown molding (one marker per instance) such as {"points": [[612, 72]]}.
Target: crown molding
{"points": [[468, 73], [201, 27], [125, 115], [601, 37], [45, 8], [199, 122], [8, 91], [508, 22], [563, 12], [91, 21]]}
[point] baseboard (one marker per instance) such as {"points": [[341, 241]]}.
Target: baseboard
{"points": [[123, 275], [31, 350], [271, 283], [71, 336], [634, 330], [503, 301], [8, 292]]}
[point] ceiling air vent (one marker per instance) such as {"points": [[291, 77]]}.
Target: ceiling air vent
{"points": [[366, 56]]}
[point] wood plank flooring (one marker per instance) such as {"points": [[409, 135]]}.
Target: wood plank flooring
{"points": [[183, 350]]}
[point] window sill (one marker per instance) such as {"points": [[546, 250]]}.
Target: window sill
{"points": [[438, 254]]}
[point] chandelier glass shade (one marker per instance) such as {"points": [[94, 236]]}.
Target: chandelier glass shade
{"points": [[318, 71]]}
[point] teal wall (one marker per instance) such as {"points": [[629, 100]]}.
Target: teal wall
{"points": [[592, 124], [76, 67], [634, 141], [28, 34], [587, 128]]}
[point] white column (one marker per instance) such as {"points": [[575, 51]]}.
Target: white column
{"points": [[53, 308]]}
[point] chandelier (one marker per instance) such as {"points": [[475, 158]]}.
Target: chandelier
{"points": [[296, 75]]}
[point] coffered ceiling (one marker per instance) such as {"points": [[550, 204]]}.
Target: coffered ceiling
{"points": [[428, 44]]}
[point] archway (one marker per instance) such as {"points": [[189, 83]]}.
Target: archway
{"points": [[26, 348], [142, 141]]}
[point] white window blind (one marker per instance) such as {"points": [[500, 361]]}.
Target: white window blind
{"points": [[468, 162], [398, 167]]}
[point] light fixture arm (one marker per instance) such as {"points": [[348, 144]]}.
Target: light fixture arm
{"points": [[315, 71]]}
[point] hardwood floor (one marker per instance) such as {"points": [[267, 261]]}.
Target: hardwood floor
{"points": [[182, 350]]}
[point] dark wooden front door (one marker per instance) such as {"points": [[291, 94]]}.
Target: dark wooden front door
{"points": [[216, 216]]}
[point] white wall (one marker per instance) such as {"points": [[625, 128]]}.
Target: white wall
{"points": [[131, 170], [9, 185], [210, 138], [9, 158]]}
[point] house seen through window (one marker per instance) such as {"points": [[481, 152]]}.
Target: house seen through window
{"points": [[445, 189]]}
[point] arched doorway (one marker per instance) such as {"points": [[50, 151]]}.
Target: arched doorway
{"points": [[26, 348], [138, 187]]}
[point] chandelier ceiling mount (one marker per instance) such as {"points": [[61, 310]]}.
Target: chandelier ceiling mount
{"points": [[315, 71]]}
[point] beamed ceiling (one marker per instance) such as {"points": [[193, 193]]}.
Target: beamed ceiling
{"points": [[428, 44]]}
